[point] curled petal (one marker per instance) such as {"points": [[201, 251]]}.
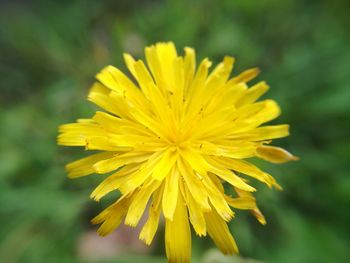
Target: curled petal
{"points": [[275, 154]]}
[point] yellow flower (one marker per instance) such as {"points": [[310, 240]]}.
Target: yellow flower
{"points": [[172, 139]]}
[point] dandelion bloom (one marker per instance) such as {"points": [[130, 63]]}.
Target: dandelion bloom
{"points": [[172, 139]]}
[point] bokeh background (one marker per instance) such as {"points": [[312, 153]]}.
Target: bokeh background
{"points": [[49, 54]]}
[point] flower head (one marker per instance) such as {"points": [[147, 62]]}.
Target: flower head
{"points": [[172, 138]]}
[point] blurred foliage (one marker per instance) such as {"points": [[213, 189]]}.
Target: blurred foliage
{"points": [[49, 53]]}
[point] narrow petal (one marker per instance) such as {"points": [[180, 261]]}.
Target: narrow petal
{"points": [[252, 115], [253, 93], [142, 174], [217, 199], [150, 228], [248, 169], [114, 163], [131, 140], [239, 150], [222, 71], [85, 165], [220, 233], [275, 154], [154, 65], [216, 80], [166, 55], [137, 207], [143, 77], [258, 215], [170, 194], [263, 133], [196, 215], [193, 99], [255, 211], [104, 143], [99, 95], [245, 202], [118, 82], [177, 96], [112, 216], [195, 160], [165, 164], [194, 184], [148, 122], [246, 75], [75, 134], [178, 235], [114, 181], [228, 176], [228, 96], [118, 125], [189, 67]]}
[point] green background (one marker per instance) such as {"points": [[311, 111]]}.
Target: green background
{"points": [[49, 53]]}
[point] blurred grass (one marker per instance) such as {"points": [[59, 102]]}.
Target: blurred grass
{"points": [[49, 53]]}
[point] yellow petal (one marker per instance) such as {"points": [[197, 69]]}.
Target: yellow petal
{"points": [[222, 71], [110, 122], [154, 65], [275, 154], [100, 96], [253, 93], [143, 77], [178, 235], [170, 194], [239, 150], [129, 61], [166, 55], [141, 175], [246, 202], [258, 215], [165, 164], [114, 163], [119, 125], [76, 134], [114, 181], [152, 92], [196, 215], [131, 140], [138, 205], [189, 67], [176, 98], [194, 184], [246, 75], [160, 58], [255, 211], [215, 83], [112, 216], [194, 98], [247, 168], [209, 123], [263, 133], [122, 105], [252, 115], [228, 176], [219, 232], [115, 80], [217, 199], [104, 143], [149, 122], [195, 160], [150, 228], [84, 166]]}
